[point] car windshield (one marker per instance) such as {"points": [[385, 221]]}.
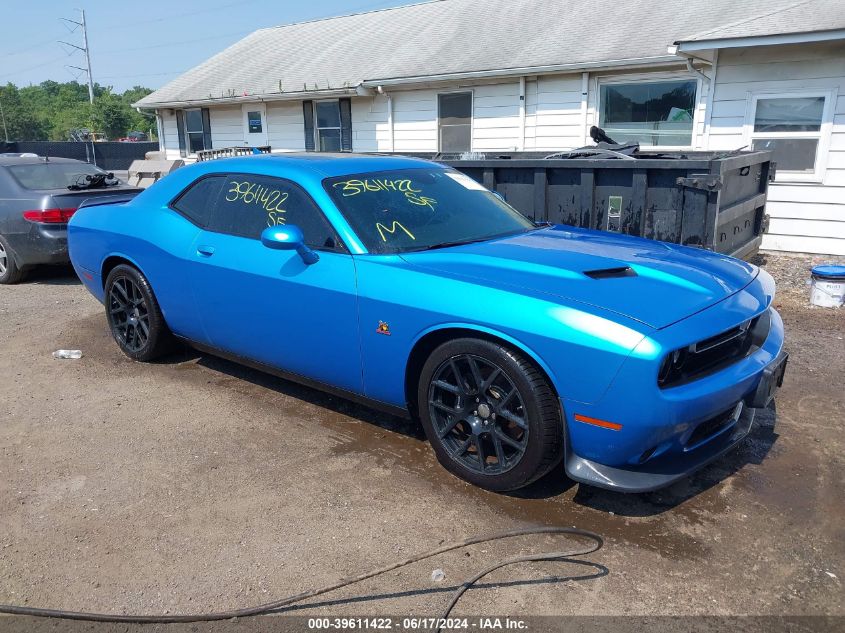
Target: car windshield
{"points": [[54, 175], [419, 209]]}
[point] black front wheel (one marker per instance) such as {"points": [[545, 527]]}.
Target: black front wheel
{"points": [[134, 316], [490, 414]]}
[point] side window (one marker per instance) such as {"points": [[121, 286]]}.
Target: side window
{"points": [[198, 201], [796, 127], [249, 204], [455, 121]]}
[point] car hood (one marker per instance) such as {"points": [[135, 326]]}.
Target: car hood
{"points": [[652, 282]]}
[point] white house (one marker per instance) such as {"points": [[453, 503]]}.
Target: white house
{"points": [[534, 75]]}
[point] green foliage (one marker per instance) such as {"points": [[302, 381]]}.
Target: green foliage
{"points": [[21, 122], [51, 109]]}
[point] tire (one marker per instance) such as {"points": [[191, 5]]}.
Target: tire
{"points": [[10, 272], [134, 316], [496, 425]]}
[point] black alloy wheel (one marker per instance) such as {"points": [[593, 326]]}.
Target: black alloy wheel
{"points": [[490, 414], [134, 316], [478, 414], [130, 314]]}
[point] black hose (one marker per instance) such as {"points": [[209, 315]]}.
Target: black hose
{"points": [[598, 542]]}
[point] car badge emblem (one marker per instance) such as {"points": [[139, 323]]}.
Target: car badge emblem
{"points": [[383, 328]]}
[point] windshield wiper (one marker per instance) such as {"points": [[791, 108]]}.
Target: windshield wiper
{"points": [[432, 247]]}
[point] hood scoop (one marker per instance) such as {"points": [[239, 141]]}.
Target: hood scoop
{"points": [[611, 273]]}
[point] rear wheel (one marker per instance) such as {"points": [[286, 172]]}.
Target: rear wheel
{"points": [[134, 316], [490, 414], [10, 273]]}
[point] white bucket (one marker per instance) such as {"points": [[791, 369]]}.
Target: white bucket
{"points": [[828, 287]]}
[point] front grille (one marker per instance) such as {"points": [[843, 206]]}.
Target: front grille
{"points": [[714, 353]]}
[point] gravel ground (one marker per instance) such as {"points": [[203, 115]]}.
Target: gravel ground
{"points": [[194, 484]]}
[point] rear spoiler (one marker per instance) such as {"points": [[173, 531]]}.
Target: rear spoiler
{"points": [[115, 199]]}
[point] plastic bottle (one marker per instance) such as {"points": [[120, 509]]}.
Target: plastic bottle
{"points": [[74, 354]]}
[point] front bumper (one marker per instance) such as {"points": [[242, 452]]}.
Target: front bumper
{"points": [[659, 436], [42, 244], [664, 469]]}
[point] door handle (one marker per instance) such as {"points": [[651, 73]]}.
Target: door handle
{"points": [[207, 251]]}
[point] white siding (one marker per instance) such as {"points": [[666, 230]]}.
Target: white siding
{"points": [[370, 126], [554, 120], [227, 127], [495, 117], [553, 117], [170, 142], [285, 126], [415, 121], [807, 217]]}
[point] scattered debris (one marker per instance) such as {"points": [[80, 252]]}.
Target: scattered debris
{"points": [[438, 575], [74, 354]]}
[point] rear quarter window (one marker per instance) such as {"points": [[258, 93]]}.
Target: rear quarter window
{"points": [[199, 200], [249, 204]]}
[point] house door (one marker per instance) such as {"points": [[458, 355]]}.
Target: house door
{"points": [[255, 124]]}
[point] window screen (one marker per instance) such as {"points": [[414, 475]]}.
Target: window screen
{"points": [[455, 121], [198, 201], [194, 130], [790, 154], [249, 204], [649, 113], [328, 126]]}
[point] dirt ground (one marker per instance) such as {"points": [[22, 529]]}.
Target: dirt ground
{"points": [[194, 484]]}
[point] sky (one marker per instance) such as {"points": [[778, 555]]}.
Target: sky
{"points": [[145, 42]]}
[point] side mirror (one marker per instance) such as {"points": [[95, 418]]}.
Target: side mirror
{"points": [[288, 238]]}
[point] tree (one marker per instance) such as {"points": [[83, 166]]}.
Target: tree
{"points": [[22, 123], [111, 116], [49, 110]]}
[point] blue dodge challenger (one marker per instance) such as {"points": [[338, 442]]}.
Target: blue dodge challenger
{"points": [[407, 285]]}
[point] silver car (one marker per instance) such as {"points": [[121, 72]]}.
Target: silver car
{"points": [[37, 198]]}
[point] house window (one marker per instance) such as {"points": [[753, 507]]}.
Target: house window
{"points": [[328, 125], [194, 130], [796, 128], [454, 120], [653, 113]]}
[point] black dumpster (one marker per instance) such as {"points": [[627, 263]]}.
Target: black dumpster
{"points": [[707, 199]]}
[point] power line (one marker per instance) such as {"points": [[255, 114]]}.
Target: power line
{"points": [[172, 72], [21, 51], [182, 15], [179, 43], [369, 5], [23, 70]]}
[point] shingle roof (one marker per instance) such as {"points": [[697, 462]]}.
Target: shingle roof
{"points": [[448, 37], [806, 16]]}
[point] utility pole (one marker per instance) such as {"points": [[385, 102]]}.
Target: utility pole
{"points": [[84, 49]]}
